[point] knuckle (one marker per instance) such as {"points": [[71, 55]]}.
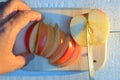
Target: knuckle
{"points": [[25, 13], [11, 23]]}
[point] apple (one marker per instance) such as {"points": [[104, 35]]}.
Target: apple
{"points": [[50, 41], [99, 27], [60, 50], [77, 26], [30, 37], [42, 38], [67, 54], [75, 56], [58, 38]]}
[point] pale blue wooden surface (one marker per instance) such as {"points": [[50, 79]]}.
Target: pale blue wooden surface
{"points": [[111, 71]]}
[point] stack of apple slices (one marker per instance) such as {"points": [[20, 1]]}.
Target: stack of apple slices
{"points": [[52, 43]]}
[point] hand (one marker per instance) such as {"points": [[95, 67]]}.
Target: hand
{"points": [[15, 15]]}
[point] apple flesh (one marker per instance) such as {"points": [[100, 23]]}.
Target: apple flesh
{"points": [[30, 37], [75, 56], [50, 40], [77, 26], [67, 54], [58, 38], [41, 39], [60, 50], [99, 27]]}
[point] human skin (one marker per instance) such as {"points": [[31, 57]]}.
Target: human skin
{"points": [[14, 16]]}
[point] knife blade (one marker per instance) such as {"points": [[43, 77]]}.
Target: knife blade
{"points": [[90, 56]]}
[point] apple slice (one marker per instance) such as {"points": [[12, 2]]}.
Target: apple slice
{"points": [[42, 38], [60, 50], [97, 23], [67, 54], [99, 27], [50, 41], [58, 38], [73, 58], [77, 28], [30, 37]]}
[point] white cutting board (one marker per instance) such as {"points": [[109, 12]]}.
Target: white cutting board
{"points": [[62, 17]]}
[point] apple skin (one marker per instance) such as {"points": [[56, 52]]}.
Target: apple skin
{"points": [[28, 36], [41, 39], [68, 53], [58, 42], [60, 50], [57, 38], [50, 40], [72, 59]]}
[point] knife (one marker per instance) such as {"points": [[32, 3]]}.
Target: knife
{"points": [[90, 56]]}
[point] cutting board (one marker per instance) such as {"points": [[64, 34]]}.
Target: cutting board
{"points": [[62, 17]]}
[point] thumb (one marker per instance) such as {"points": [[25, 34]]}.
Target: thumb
{"points": [[23, 59]]}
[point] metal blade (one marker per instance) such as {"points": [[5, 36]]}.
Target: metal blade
{"points": [[90, 57]]}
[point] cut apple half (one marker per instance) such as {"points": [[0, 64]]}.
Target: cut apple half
{"points": [[96, 22], [73, 58], [30, 37], [60, 50], [67, 54], [77, 26], [58, 38], [50, 40], [42, 38]]}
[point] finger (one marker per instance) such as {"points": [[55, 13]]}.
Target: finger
{"points": [[13, 6], [13, 62], [23, 59], [18, 22]]}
